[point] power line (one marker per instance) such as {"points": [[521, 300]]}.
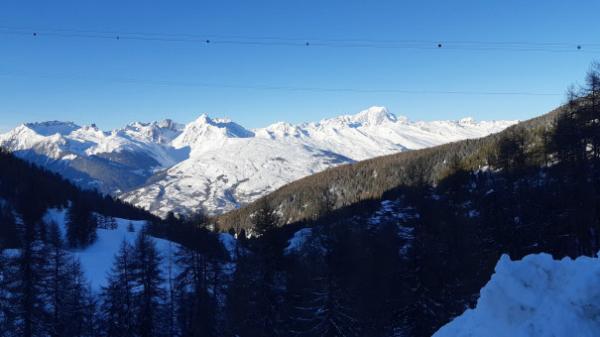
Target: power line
{"points": [[125, 80], [211, 39]]}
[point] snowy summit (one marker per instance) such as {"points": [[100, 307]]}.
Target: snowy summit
{"points": [[215, 164]]}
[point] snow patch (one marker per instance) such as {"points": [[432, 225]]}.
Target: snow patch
{"points": [[229, 243], [298, 241], [535, 297]]}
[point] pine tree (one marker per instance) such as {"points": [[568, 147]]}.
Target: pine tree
{"points": [[171, 328], [149, 296], [81, 225], [9, 236], [27, 285], [7, 311], [266, 262], [57, 284], [319, 303], [242, 300], [118, 313], [196, 308], [80, 305], [264, 219]]}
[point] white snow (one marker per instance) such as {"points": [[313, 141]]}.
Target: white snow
{"points": [[535, 297], [393, 210], [298, 240], [97, 259], [230, 244], [215, 165]]}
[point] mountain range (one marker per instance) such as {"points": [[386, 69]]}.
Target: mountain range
{"points": [[215, 165]]}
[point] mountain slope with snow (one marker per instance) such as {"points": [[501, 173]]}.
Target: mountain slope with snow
{"points": [[216, 165], [97, 259], [537, 296], [109, 161]]}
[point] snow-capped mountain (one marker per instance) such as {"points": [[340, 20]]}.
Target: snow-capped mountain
{"points": [[112, 161], [215, 164]]}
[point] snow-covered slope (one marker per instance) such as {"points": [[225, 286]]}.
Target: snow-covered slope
{"points": [[109, 161], [376, 131], [535, 297], [97, 259], [215, 164]]}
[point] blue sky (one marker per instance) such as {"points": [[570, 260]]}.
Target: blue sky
{"points": [[111, 82]]}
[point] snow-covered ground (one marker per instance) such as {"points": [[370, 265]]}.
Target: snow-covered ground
{"points": [[535, 297], [97, 259], [297, 241], [215, 164]]}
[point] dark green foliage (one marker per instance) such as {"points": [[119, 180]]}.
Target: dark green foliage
{"points": [[148, 279], [196, 308], [253, 299], [9, 235], [132, 301], [118, 309], [27, 284], [81, 225], [30, 191], [264, 219]]}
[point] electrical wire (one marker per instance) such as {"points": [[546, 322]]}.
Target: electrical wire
{"points": [[211, 39]]}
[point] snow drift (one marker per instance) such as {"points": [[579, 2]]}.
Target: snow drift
{"points": [[536, 296]]}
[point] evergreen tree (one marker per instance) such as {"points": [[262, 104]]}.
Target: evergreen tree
{"points": [[196, 308], [7, 311], [57, 284], [27, 285], [511, 152], [81, 225], [118, 311], [264, 219], [79, 304], [9, 236], [319, 303], [149, 296]]}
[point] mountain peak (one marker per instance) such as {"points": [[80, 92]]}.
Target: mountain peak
{"points": [[206, 128], [205, 119], [466, 121], [375, 115], [202, 119], [50, 128], [169, 124]]}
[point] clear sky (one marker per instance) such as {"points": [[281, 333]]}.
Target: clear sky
{"points": [[73, 70]]}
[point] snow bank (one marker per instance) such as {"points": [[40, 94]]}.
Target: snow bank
{"points": [[537, 296]]}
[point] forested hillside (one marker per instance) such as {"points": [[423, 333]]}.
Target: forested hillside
{"points": [[383, 258], [313, 196], [28, 191], [55, 241]]}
